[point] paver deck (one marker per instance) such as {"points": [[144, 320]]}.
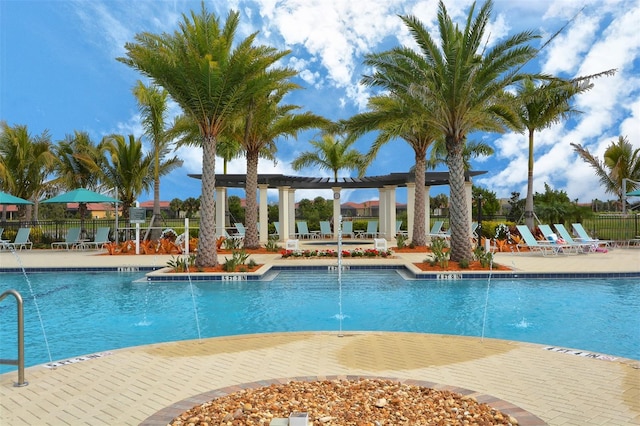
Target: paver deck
{"points": [[127, 386]]}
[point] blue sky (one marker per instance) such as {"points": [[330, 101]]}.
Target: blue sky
{"points": [[58, 73]]}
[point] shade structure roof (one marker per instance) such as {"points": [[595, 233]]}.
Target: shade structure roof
{"points": [[12, 199], [635, 193], [81, 195], [302, 182]]}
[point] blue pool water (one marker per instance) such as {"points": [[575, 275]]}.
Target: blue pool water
{"points": [[85, 313]]}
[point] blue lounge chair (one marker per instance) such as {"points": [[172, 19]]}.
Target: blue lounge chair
{"points": [[530, 242], [436, 230], [347, 229], [554, 240], [277, 226], [101, 238], [240, 228], [372, 230], [21, 241], [71, 240], [565, 235], [325, 229], [303, 230], [584, 237]]}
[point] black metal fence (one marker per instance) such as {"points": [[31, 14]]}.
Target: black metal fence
{"points": [[607, 226]]}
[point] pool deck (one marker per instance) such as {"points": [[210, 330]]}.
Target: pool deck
{"points": [[142, 384]]}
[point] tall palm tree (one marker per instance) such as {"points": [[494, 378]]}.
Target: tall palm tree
{"points": [[332, 154], [541, 106], [26, 163], [264, 120], [462, 84], [399, 116], [211, 76], [79, 164], [472, 149], [620, 162], [152, 101], [129, 169]]}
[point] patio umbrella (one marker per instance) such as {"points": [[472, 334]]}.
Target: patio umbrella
{"points": [[12, 199], [635, 193], [81, 196]]}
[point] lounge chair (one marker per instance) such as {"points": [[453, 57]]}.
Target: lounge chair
{"points": [[347, 229], [21, 240], [277, 226], [400, 231], [584, 237], [372, 230], [72, 240], [325, 229], [530, 242], [303, 230], [565, 235], [240, 228], [553, 238], [101, 238], [436, 229]]}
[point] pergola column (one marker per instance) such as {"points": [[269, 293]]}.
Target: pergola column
{"points": [[263, 214], [336, 211], [469, 196], [292, 212], [390, 226], [221, 207], [382, 213], [283, 212]]}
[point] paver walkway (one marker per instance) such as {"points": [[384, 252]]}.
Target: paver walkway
{"points": [[127, 386]]}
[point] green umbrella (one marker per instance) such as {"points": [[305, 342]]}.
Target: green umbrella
{"points": [[12, 199], [81, 196], [635, 193]]}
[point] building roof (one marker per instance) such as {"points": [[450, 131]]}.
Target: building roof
{"points": [[302, 182]]}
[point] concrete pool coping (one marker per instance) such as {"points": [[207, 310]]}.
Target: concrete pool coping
{"points": [[127, 386]]}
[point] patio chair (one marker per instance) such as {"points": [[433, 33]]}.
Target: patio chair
{"points": [[347, 229], [400, 231], [530, 242], [584, 237], [372, 230], [277, 226], [21, 240], [436, 229], [240, 228], [303, 230], [71, 240], [325, 229], [100, 239], [561, 242], [565, 235]]}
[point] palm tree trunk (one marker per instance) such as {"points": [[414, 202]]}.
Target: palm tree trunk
{"points": [[251, 239], [528, 206], [459, 214], [207, 255], [419, 237]]}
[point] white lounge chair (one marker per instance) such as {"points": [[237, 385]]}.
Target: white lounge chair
{"points": [[100, 239], [584, 237], [530, 242]]}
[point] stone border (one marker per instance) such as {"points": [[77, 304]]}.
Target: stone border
{"points": [[167, 414]]}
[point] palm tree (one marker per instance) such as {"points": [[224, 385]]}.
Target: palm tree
{"points": [[331, 154], [397, 116], [461, 83], [130, 170], [152, 101], [79, 164], [472, 149], [264, 120], [211, 76], [542, 106], [620, 162], [25, 164]]}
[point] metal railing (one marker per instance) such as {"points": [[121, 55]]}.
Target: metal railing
{"points": [[20, 361]]}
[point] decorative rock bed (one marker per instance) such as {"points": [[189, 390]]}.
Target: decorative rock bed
{"points": [[374, 402]]}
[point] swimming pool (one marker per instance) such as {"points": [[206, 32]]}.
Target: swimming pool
{"points": [[91, 312]]}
